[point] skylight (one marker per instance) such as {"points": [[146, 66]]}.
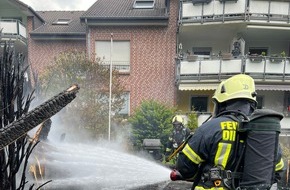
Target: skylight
{"points": [[62, 21], [144, 4]]}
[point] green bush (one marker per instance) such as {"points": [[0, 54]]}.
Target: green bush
{"points": [[151, 120], [192, 122]]}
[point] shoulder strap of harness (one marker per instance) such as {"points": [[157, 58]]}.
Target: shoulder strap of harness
{"points": [[239, 148]]}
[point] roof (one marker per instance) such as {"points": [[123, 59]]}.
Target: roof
{"points": [[73, 29], [27, 10], [121, 12], [102, 12]]}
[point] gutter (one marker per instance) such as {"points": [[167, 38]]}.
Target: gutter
{"points": [[58, 36]]}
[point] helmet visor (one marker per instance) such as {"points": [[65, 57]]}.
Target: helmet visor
{"points": [[177, 125]]}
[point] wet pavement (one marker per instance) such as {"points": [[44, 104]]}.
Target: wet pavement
{"points": [[169, 185]]}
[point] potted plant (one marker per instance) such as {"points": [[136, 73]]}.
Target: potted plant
{"points": [[226, 56], [283, 54], [274, 58], [256, 57]]}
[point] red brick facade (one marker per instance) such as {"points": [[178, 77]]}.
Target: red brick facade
{"points": [[42, 52], [153, 50]]}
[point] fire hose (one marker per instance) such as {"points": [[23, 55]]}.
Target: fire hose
{"points": [[28, 121]]}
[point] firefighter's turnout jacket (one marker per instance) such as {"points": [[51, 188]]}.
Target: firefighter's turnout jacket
{"points": [[209, 154], [177, 137]]}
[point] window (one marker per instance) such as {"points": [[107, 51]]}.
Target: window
{"points": [[126, 107], [62, 21], [287, 101], [199, 103], [120, 54], [143, 4], [201, 50], [104, 99], [260, 100], [258, 50]]}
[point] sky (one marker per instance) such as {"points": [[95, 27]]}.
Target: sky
{"points": [[64, 5]]}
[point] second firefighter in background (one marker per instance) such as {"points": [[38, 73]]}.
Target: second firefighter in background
{"points": [[178, 136]]}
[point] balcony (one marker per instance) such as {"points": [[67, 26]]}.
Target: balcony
{"points": [[15, 32], [215, 69], [262, 11]]}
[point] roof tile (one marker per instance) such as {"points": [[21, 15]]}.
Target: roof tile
{"points": [[123, 9], [50, 17]]}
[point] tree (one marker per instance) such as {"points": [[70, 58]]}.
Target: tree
{"points": [[192, 122], [90, 109], [13, 104], [151, 120]]}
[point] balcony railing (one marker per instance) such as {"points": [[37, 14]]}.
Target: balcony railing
{"points": [[200, 11], [264, 69], [121, 66], [12, 29]]}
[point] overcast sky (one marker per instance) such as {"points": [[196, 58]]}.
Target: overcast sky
{"points": [[49, 5]]}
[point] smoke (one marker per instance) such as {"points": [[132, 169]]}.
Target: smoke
{"points": [[82, 164]]}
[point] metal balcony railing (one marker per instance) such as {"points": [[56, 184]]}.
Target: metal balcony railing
{"points": [[201, 11], [121, 66], [12, 29], [216, 68]]}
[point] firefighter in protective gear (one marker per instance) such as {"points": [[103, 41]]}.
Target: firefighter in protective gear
{"points": [[179, 134], [209, 153]]}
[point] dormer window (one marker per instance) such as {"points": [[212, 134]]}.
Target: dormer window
{"points": [[144, 4], [62, 21]]}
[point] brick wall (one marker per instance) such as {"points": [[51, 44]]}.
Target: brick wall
{"points": [[152, 66], [152, 69], [42, 52]]}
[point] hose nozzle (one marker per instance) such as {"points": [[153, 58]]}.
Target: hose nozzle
{"points": [[175, 175]]}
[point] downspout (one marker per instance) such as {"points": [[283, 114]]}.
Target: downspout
{"points": [[88, 39], [167, 5], [178, 49]]}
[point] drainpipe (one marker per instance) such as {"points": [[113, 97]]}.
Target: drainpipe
{"points": [[88, 39], [177, 48], [167, 5]]}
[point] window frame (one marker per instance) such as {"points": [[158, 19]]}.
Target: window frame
{"points": [[62, 21], [144, 4], [260, 100], [120, 65], [204, 51], [258, 50], [198, 110], [126, 107]]}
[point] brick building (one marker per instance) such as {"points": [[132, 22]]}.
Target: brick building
{"points": [[143, 35]]}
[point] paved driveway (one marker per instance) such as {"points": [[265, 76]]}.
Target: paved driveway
{"points": [[169, 185]]}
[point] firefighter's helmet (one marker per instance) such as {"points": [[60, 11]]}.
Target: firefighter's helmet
{"points": [[240, 86], [177, 120]]}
